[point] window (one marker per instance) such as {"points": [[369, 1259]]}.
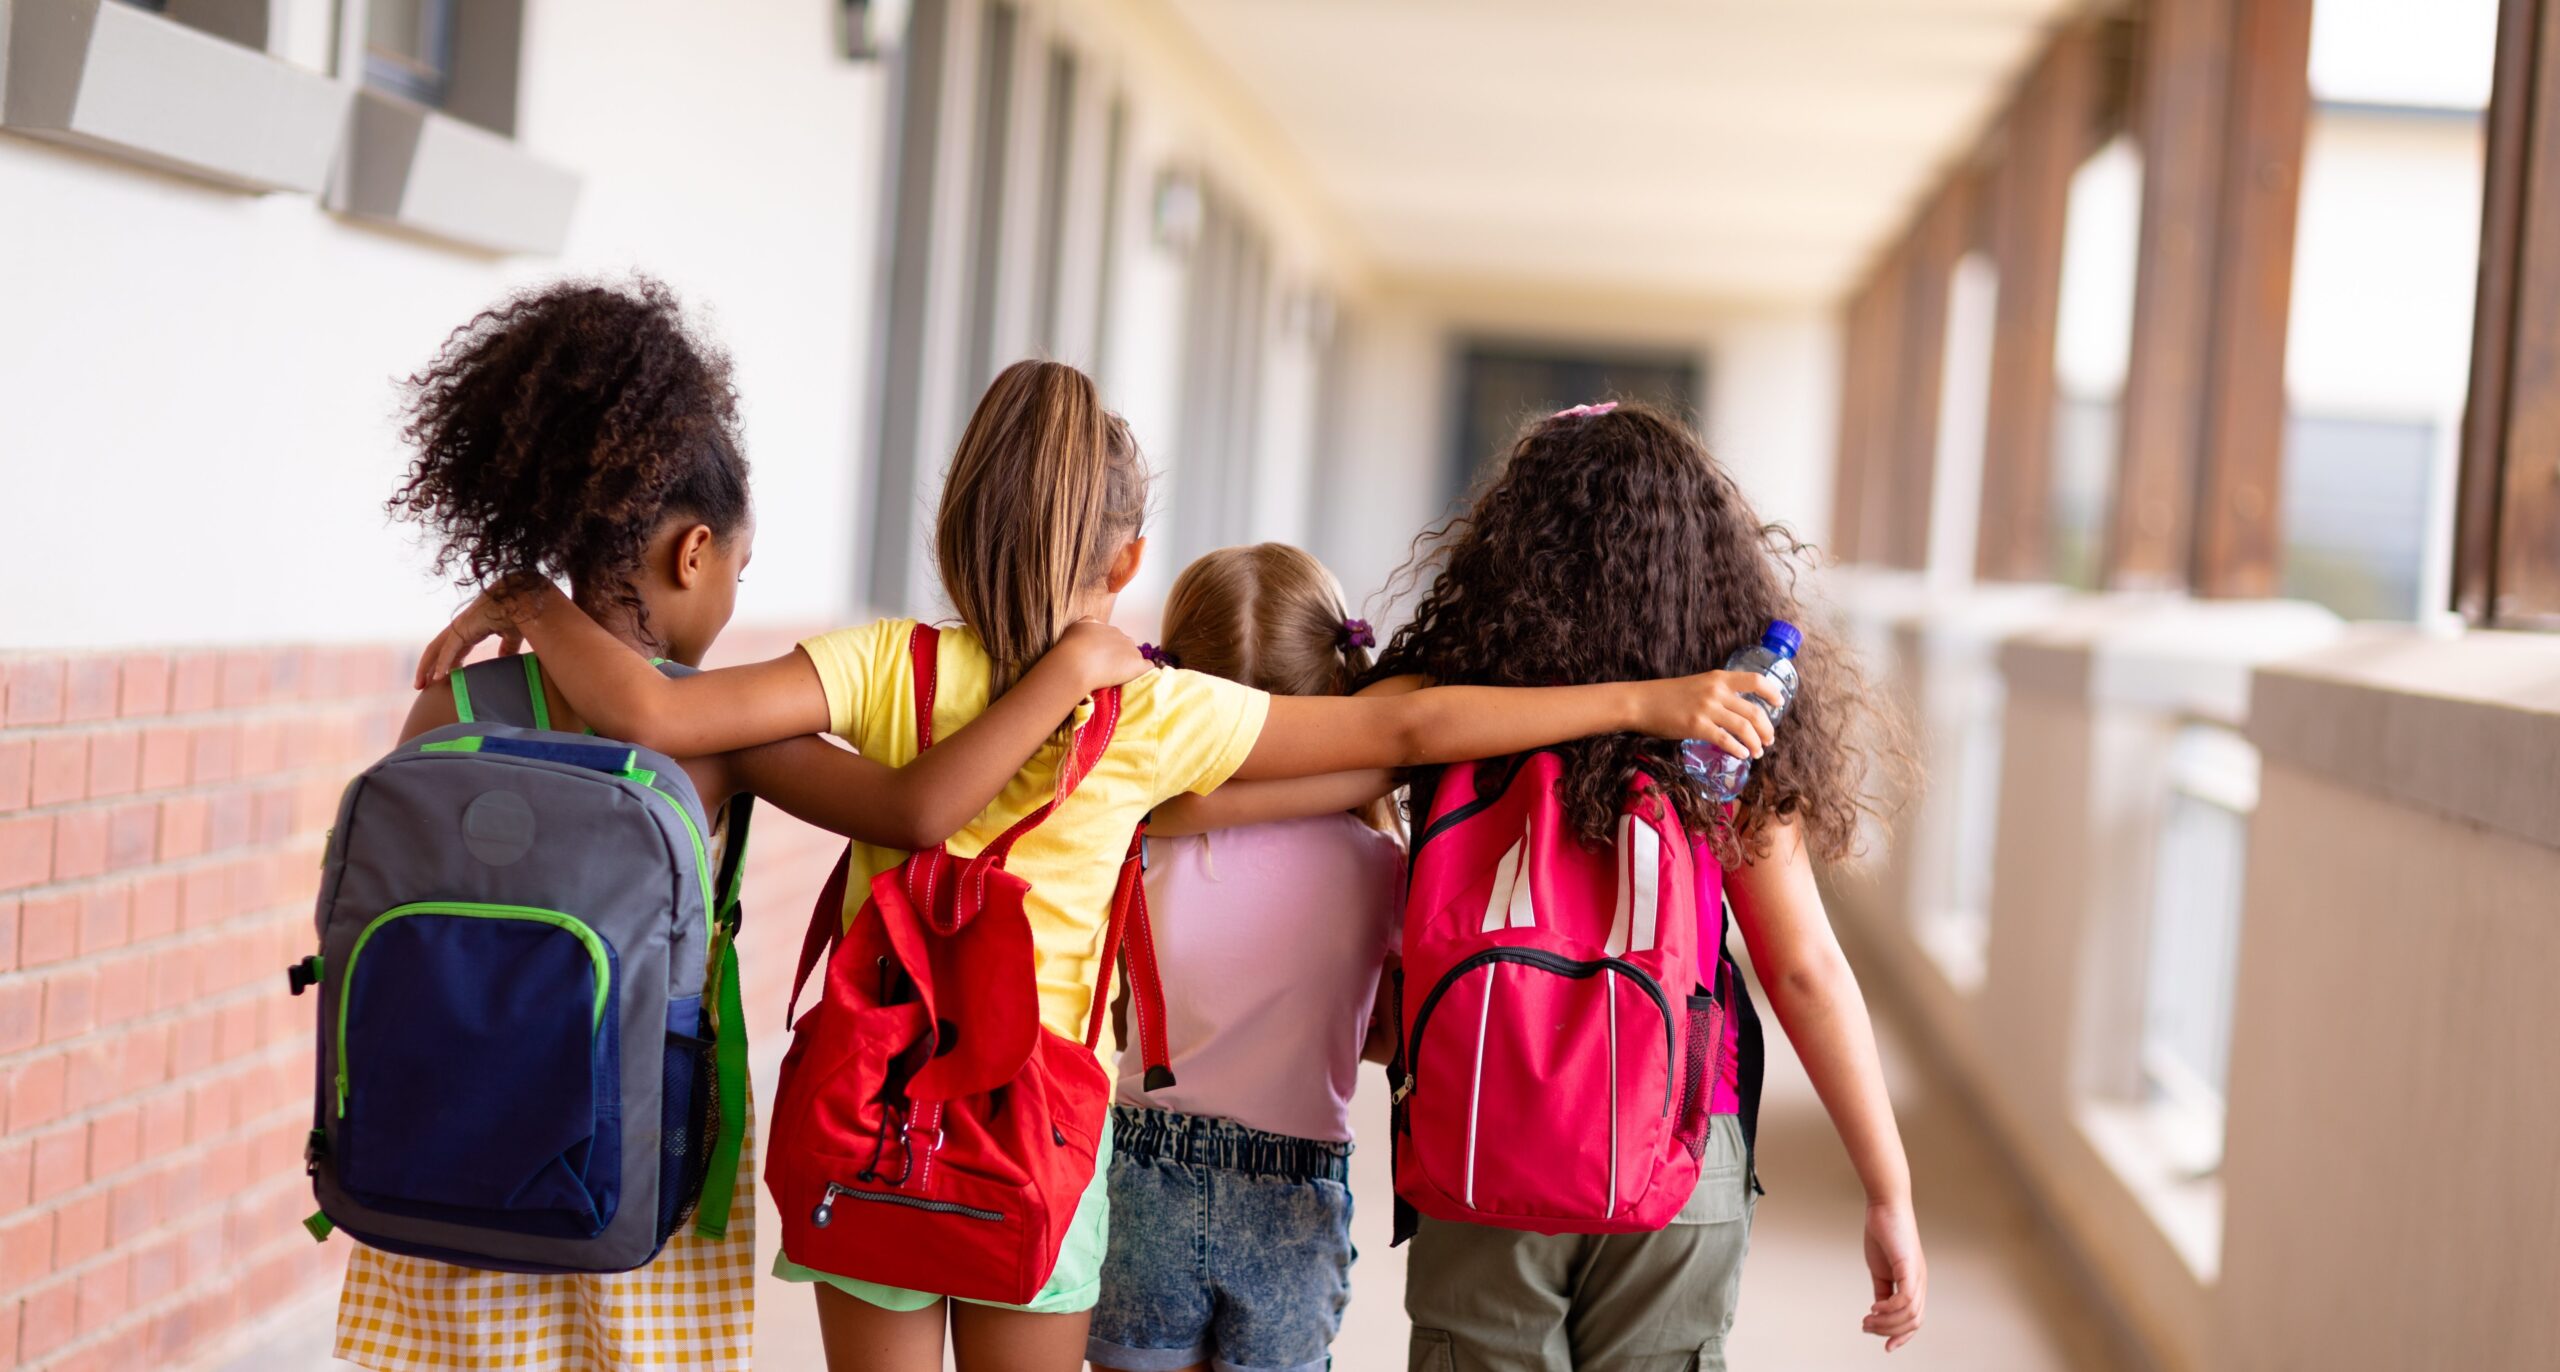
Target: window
{"points": [[432, 146], [988, 163], [1115, 152], [2092, 348], [2200, 862], [2367, 505], [1226, 327], [998, 234], [408, 48], [1057, 147], [1964, 402], [2386, 254], [249, 23]]}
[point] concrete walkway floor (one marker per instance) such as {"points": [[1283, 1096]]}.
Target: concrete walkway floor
{"points": [[1997, 1301]]}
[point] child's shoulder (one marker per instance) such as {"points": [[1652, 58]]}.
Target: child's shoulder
{"points": [[858, 644], [883, 644], [1169, 696]]}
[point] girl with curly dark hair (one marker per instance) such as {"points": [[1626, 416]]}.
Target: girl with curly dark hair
{"points": [[1611, 546], [584, 431]]}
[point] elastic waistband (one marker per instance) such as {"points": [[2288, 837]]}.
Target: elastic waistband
{"points": [[1166, 1136]]}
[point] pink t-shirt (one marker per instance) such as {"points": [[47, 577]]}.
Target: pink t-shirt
{"points": [[1270, 939]]}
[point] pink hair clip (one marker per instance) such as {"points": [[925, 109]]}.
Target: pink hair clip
{"points": [[1585, 411]]}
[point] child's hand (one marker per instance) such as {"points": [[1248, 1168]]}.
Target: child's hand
{"points": [[1900, 1272], [490, 615], [1714, 706], [1103, 656]]}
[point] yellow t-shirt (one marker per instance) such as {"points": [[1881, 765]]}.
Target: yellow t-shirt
{"points": [[1178, 732]]}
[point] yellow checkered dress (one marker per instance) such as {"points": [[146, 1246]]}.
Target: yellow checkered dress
{"points": [[693, 1307]]}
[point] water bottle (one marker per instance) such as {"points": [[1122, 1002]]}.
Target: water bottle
{"points": [[1774, 656]]}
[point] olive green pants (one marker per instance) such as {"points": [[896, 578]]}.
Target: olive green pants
{"points": [[1503, 1300]]}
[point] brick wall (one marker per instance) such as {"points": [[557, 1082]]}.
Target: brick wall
{"points": [[161, 822], [160, 829]]}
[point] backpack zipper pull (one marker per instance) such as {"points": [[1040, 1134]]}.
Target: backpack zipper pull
{"points": [[1404, 1088], [825, 1213]]}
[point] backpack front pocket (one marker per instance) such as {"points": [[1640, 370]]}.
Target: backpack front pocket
{"points": [[478, 1069], [1539, 1082]]}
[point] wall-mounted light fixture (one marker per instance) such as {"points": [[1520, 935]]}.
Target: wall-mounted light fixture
{"points": [[1179, 209]]}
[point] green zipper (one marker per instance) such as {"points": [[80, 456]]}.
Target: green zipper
{"points": [[701, 851], [473, 910]]}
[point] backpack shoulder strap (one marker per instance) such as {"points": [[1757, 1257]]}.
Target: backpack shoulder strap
{"points": [[1128, 939], [1084, 752], [741, 817], [924, 661], [501, 690], [826, 918]]}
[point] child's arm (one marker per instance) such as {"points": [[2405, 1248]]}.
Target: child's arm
{"points": [[624, 697], [931, 798], [1311, 735], [728, 708], [1240, 803], [910, 807], [1379, 1046], [1816, 999]]}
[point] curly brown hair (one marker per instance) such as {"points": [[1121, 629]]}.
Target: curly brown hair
{"points": [[557, 431], [1612, 547]]}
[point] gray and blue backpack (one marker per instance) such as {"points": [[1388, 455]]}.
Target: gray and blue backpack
{"points": [[518, 926]]}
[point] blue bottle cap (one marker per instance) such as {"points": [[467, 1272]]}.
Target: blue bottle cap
{"points": [[1781, 638]]}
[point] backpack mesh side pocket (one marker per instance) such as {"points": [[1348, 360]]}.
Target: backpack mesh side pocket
{"points": [[691, 1126], [1697, 1080]]}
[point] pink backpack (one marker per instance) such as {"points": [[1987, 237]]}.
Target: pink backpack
{"points": [[1560, 1052]]}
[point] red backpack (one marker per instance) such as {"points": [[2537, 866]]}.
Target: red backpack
{"points": [[930, 1133], [1563, 1026]]}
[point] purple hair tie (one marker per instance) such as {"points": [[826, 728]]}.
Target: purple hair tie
{"points": [[1355, 634], [1585, 411], [1158, 656]]}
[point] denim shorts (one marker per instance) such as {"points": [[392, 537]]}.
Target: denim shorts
{"points": [[1229, 1246]]}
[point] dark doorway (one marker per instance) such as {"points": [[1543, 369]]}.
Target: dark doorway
{"points": [[1504, 385]]}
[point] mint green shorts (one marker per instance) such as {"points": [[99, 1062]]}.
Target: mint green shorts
{"points": [[1074, 1285]]}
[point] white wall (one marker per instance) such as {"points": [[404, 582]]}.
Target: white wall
{"points": [[1773, 404], [197, 422]]}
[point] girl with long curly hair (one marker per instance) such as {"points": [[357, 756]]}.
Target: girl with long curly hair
{"points": [[1610, 545], [585, 431]]}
